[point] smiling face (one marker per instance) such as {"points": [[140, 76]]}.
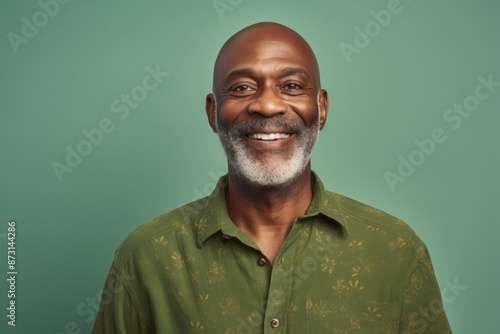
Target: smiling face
{"points": [[267, 105]]}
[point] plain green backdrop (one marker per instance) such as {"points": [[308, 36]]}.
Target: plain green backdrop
{"points": [[391, 89]]}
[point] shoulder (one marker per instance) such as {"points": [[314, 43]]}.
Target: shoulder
{"points": [[363, 217], [167, 226]]}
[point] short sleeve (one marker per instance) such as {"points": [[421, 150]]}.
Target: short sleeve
{"points": [[117, 312], [422, 307]]}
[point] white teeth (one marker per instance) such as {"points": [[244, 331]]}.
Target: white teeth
{"points": [[268, 136]]}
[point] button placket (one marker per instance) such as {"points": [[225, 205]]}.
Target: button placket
{"points": [[281, 287]]}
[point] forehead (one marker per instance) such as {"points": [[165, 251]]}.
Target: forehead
{"points": [[265, 54]]}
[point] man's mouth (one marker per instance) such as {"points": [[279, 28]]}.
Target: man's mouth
{"points": [[269, 136]]}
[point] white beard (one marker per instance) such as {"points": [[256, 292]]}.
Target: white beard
{"points": [[271, 172]]}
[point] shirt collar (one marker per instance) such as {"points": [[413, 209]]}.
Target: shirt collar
{"points": [[326, 203], [213, 217]]}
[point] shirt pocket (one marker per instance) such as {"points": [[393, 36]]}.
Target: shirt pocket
{"points": [[351, 316]]}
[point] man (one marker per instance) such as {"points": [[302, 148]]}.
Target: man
{"points": [[270, 251]]}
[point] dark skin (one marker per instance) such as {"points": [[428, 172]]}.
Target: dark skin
{"points": [[267, 70]]}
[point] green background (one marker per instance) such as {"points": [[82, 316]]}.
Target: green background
{"points": [[391, 93]]}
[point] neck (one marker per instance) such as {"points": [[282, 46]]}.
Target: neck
{"points": [[267, 214]]}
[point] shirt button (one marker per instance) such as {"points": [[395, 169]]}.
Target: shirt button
{"points": [[225, 236], [275, 323], [261, 262]]}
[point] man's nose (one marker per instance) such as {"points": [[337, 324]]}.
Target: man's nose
{"points": [[268, 103]]}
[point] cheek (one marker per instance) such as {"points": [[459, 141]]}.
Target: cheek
{"points": [[307, 111], [231, 111]]}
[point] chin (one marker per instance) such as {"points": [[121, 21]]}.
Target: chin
{"points": [[269, 174]]}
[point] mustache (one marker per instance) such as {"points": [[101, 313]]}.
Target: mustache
{"points": [[263, 124]]}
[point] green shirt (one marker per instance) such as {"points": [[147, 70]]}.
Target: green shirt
{"points": [[345, 267]]}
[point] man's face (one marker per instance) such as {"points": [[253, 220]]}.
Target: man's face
{"points": [[268, 109]]}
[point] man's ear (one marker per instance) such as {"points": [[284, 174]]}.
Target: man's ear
{"points": [[323, 105], [210, 106]]}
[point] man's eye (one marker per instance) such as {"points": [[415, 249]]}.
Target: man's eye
{"points": [[241, 88], [292, 86]]}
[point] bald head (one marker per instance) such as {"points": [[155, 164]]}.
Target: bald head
{"points": [[261, 41]]}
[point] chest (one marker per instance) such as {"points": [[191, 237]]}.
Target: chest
{"points": [[317, 284]]}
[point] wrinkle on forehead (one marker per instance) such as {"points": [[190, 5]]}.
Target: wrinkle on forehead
{"points": [[263, 41]]}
